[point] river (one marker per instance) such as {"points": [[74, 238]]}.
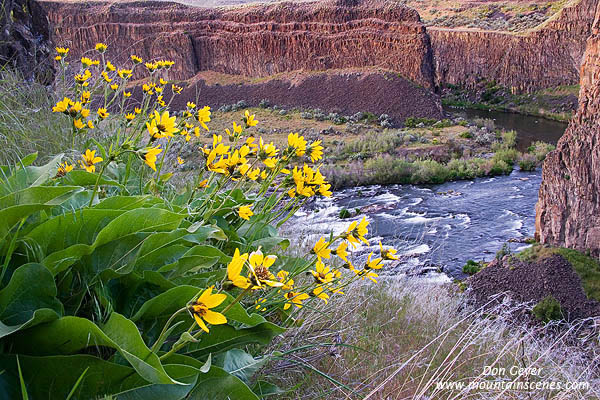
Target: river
{"points": [[444, 225]]}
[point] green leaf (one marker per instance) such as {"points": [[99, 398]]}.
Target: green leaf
{"points": [[264, 389], [241, 364], [218, 384], [69, 335], [80, 177], [30, 176], [31, 288], [165, 304], [28, 159]]}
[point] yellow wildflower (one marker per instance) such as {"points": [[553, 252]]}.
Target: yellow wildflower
{"points": [[90, 124], [150, 156], [388, 254], [162, 125], [322, 273], [259, 266], [373, 264], [106, 78], [176, 89], [315, 151], [203, 116], [114, 86], [124, 73], [321, 249], [249, 119], [102, 113], [357, 231], [63, 105], [319, 292], [191, 105], [63, 51], [234, 269], [127, 94], [110, 67], [294, 298], [89, 159], [63, 169], [180, 160], [296, 144], [136, 59], [245, 212], [78, 124], [284, 277], [341, 251], [129, 116], [200, 309], [100, 47]]}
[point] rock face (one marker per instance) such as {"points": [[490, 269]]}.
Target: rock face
{"points": [[568, 210], [547, 57], [24, 39], [253, 41], [263, 40]]}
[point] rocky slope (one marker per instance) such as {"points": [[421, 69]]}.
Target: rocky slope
{"points": [[253, 41], [568, 211], [547, 57], [24, 39]]}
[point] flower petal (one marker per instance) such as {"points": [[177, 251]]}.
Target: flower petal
{"points": [[200, 323], [215, 318]]}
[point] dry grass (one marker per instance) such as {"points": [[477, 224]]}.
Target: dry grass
{"points": [[399, 339]]}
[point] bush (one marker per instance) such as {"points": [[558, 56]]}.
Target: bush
{"points": [[466, 135], [472, 267], [413, 122], [345, 213], [540, 150], [548, 310], [126, 285], [527, 162], [509, 156], [509, 139]]}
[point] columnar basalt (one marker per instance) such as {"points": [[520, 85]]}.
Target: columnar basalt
{"points": [[549, 56], [568, 210], [253, 41]]}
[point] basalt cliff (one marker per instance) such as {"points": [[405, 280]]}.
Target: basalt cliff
{"points": [[262, 40], [568, 210]]}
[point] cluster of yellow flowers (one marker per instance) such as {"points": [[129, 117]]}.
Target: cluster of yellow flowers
{"points": [[235, 158]]}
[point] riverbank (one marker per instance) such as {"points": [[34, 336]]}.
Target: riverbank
{"points": [[557, 104]]}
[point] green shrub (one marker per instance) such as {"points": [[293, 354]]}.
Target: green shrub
{"points": [[472, 267], [509, 156], [345, 213], [540, 150], [548, 310], [527, 162], [509, 139], [412, 122], [466, 135]]}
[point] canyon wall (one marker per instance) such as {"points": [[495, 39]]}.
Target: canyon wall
{"points": [[263, 40], [547, 57], [254, 41], [568, 210]]}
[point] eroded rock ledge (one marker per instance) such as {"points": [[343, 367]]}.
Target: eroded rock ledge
{"points": [[568, 210]]}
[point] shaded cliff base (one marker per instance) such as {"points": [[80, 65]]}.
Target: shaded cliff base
{"points": [[570, 277], [341, 91], [558, 104]]}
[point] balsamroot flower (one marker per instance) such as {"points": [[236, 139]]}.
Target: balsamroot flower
{"points": [[259, 266], [234, 270], [373, 264], [321, 249], [319, 292], [200, 309], [296, 144], [136, 59], [245, 212], [203, 116], [249, 119], [63, 105], [294, 298], [101, 47], [322, 273], [388, 254], [63, 51], [356, 232], [63, 169], [102, 113], [89, 159], [150, 156], [315, 151], [162, 125], [341, 251], [288, 283]]}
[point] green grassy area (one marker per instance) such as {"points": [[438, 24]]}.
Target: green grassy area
{"points": [[586, 267]]}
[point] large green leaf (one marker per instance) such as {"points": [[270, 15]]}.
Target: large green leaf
{"points": [[241, 364], [30, 176], [196, 258], [166, 303], [83, 178], [31, 288], [218, 384], [69, 335], [79, 234]]}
